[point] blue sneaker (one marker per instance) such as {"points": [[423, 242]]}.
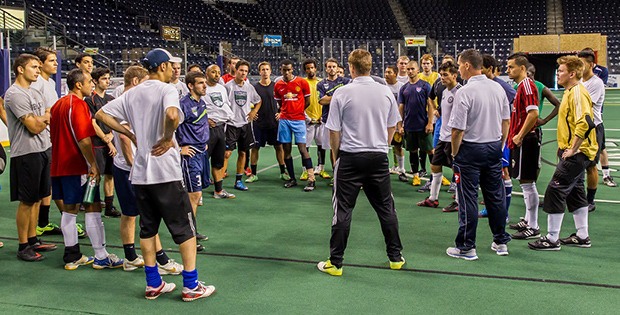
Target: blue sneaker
{"points": [[240, 186], [112, 261], [483, 213]]}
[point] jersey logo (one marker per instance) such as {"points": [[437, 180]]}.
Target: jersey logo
{"points": [[241, 98], [297, 89], [450, 99], [289, 96], [418, 89], [216, 99], [326, 85], [194, 110]]}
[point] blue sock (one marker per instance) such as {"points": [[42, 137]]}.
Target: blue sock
{"points": [[153, 279], [190, 279]]}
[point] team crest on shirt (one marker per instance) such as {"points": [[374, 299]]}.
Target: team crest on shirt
{"points": [[418, 89], [297, 89], [216, 98], [450, 99], [241, 98], [326, 85], [195, 110]]}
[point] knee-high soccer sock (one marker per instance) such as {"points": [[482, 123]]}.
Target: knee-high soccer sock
{"points": [[423, 161], [531, 199], [290, 168], [153, 279], [581, 222], [320, 155], [109, 203], [162, 257], [401, 162], [605, 170], [435, 185], [190, 279], [130, 252], [414, 161], [44, 216], [591, 193], [238, 177], [554, 224], [253, 167], [282, 168], [508, 188], [93, 228], [218, 185], [69, 230]]}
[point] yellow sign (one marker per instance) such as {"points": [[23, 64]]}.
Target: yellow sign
{"points": [[415, 41], [171, 33]]}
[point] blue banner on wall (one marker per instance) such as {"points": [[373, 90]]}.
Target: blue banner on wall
{"points": [[272, 40]]}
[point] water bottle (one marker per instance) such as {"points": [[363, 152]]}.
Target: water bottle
{"points": [[91, 188]]}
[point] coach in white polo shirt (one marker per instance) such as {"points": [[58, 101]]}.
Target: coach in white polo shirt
{"points": [[479, 122], [362, 120], [152, 109]]}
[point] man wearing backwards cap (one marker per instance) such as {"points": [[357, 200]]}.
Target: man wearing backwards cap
{"points": [[156, 172]]}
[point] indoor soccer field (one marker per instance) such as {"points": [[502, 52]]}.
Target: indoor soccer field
{"points": [[264, 245]]}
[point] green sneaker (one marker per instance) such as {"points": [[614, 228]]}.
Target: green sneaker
{"points": [[252, 178], [285, 177], [49, 229], [328, 268], [304, 175], [81, 230]]}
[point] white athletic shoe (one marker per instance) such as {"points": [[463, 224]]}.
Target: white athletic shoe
{"points": [[171, 268], [131, 265]]}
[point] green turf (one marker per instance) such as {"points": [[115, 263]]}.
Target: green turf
{"points": [[264, 245]]}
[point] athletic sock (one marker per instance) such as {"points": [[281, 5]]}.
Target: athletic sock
{"points": [[162, 257], [554, 224], [508, 188], [290, 168], [282, 168], [320, 155], [581, 222], [22, 246], [93, 229], [414, 161], [591, 194], [153, 279], [401, 162], [69, 230], [238, 177], [32, 240], [253, 167], [130, 252], [44, 215], [190, 279], [109, 203], [605, 171], [423, 161], [532, 200], [218, 185], [435, 185]]}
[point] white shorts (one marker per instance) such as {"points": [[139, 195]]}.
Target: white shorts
{"points": [[325, 137], [314, 132]]}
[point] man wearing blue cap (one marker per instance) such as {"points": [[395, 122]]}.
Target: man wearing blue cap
{"points": [[156, 172]]}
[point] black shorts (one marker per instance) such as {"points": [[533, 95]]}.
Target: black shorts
{"points": [[167, 201], [415, 140], [600, 139], [125, 192], [525, 160], [30, 176], [217, 145], [242, 137], [397, 139], [566, 188], [104, 160], [265, 136], [443, 154]]}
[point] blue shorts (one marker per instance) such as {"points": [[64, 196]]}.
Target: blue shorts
{"points": [[436, 132], [196, 171], [287, 128], [71, 189], [124, 192], [506, 156]]}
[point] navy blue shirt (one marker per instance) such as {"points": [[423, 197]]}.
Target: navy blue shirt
{"points": [[327, 87], [510, 91], [601, 72], [194, 130], [414, 97]]}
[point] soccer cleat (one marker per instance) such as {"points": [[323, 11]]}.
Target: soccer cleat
{"points": [[500, 249], [445, 181], [394, 170], [519, 226], [248, 171], [462, 254], [131, 265], [223, 195], [422, 173], [591, 207], [81, 231], [403, 177], [426, 187], [201, 237], [252, 178], [304, 175], [29, 254], [483, 213], [170, 268], [544, 243], [290, 183], [428, 203], [325, 174], [310, 186], [328, 268], [200, 291], [284, 176], [318, 169], [199, 247], [528, 233], [43, 247], [112, 213], [240, 186], [452, 207], [416, 180], [452, 188], [609, 181], [84, 260], [49, 229], [153, 293], [574, 240], [397, 265], [111, 262]]}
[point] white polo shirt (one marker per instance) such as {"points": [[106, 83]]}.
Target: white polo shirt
{"points": [[596, 88], [447, 102], [362, 111]]}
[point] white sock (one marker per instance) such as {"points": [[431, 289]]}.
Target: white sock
{"points": [[605, 172], [532, 200], [581, 222], [93, 228], [435, 186], [401, 162], [554, 224], [69, 230]]}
